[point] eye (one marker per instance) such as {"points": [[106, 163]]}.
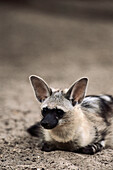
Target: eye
{"points": [[44, 111], [60, 113]]}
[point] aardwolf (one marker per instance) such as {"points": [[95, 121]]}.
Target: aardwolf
{"points": [[72, 121]]}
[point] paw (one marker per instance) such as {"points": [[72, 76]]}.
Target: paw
{"points": [[91, 149], [87, 150], [47, 147]]}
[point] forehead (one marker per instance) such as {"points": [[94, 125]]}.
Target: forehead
{"points": [[57, 100]]}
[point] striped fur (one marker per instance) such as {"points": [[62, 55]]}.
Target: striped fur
{"points": [[72, 121]]}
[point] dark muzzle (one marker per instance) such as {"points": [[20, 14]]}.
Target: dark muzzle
{"points": [[49, 121]]}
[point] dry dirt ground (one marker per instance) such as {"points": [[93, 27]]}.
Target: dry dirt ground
{"points": [[60, 41]]}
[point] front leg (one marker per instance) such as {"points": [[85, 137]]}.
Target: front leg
{"points": [[91, 149], [48, 146]]}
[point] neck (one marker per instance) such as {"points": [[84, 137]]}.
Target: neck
{"points": [[76, 127]]}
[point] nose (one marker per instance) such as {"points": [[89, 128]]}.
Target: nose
{"points": [[45, 124], [49, 121]]}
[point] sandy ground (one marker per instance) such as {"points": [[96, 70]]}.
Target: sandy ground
{"points": [[60, 41]]}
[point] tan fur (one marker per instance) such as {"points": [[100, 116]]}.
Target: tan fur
{"points": [[109, 136], [73, 126]]}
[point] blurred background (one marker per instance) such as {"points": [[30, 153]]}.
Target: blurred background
{"points": [[59, 40]]}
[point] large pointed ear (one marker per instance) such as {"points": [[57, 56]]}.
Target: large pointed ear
{"points": [[41, 89], [76, 92]]}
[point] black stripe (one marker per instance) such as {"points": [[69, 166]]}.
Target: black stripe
{"points": [[96, 134], [106, 110]]}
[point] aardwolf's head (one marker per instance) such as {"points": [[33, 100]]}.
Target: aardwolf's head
{"points": [[57, 105]]}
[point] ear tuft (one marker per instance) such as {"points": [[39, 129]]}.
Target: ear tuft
{"points": [[77, 91], [41, 89]]}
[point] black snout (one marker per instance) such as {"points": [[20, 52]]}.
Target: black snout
{"points": [[49, 121]]}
